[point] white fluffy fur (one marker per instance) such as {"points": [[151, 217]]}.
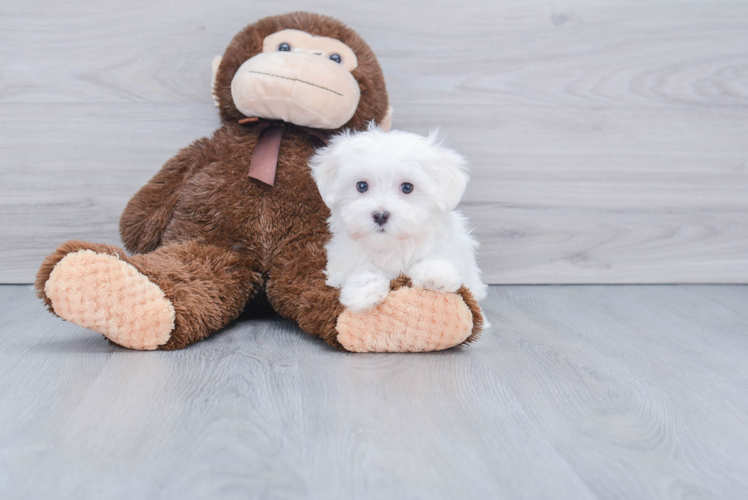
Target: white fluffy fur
{"points": [[425, 237]]}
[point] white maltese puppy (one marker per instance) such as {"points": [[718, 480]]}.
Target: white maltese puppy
{"points": [[392, 198]]}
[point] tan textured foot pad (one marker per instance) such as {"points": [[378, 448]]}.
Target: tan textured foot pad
{"points": [[110, 296], [409, 320]]}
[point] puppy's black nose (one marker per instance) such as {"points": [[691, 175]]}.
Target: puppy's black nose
{"points": [[381, 217]]}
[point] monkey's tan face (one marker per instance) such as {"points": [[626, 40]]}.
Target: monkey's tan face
{"points": [[299, 78]]}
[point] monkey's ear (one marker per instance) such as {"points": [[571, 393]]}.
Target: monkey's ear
{"points": [[386, 123], [214, 65]]}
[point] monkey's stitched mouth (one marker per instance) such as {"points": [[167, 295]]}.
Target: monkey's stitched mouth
{"points": [[296, 80]]}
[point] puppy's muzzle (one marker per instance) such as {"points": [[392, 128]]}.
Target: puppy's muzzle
{"points": [[381, 217]]}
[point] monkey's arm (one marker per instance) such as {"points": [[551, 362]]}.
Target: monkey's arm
{"points": [[148, 212]]}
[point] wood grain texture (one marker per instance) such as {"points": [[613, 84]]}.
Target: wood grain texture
{"points": [[607, 139], [591, 392]]}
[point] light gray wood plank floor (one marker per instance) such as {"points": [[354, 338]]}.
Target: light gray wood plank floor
{"points": [[577, 392]]}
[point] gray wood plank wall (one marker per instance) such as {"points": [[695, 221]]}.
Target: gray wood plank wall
{"points": [[609, 139]]}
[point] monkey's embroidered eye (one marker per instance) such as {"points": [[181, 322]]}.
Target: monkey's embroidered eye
{"points": [[362, 187], [406, 187], [284, 47], [336, 58]]}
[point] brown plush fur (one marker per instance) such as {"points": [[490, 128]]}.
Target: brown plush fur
{"points": [[212, 238]]}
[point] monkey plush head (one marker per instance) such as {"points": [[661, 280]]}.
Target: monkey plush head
{"points": [[302, 68]]}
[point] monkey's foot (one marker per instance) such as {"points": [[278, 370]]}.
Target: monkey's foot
{"points": [[412, 319], [105, 294]]}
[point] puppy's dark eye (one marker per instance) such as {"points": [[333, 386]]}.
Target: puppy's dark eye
{"points": [[362, 187], [336, 58], [284, 47], [406, 187]]}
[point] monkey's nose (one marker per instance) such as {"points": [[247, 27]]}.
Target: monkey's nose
{"points": [[381, 217]]}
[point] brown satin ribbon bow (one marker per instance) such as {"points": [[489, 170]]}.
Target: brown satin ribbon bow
{"points": [[265, 155]]}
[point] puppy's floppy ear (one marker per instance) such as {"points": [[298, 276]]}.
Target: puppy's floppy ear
{"points": [[324, 166], [451, 173]]}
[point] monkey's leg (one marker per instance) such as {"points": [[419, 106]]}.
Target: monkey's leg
{"points": [[409, 320], [166, 299], [296, 289]]}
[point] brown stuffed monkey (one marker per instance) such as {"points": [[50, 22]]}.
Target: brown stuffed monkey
{"points": [[237, 216]]}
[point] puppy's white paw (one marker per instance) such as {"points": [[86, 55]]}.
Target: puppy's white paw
{"points": [[437, 275], [364, 290]]}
